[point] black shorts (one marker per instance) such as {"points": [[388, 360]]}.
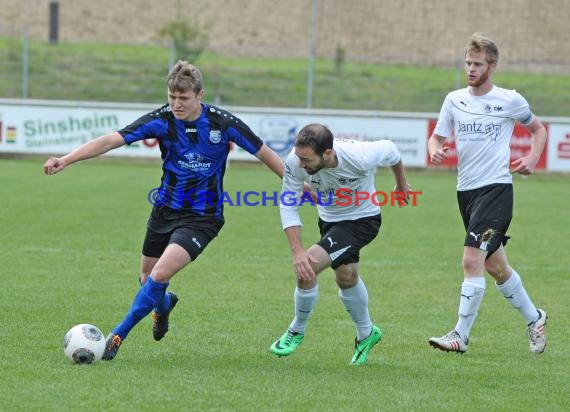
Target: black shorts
{"points": [[166, 226], [486, 214], [343, 240]]}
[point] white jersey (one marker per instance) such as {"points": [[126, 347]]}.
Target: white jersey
{"points": [[337, 187], [483, 127]]}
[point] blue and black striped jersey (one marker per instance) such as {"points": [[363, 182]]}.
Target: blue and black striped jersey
{"points": [[194, 155]]}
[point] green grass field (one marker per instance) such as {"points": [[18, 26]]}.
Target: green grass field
{"points": [[70, 254]]}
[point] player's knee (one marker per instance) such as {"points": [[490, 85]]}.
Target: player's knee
{"points": [[306, 284], [498, 271], [160, 274], [345, 278], [472, 265]]}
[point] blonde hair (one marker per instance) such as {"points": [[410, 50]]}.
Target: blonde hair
{"points": [[184, 77], [481, 43]]}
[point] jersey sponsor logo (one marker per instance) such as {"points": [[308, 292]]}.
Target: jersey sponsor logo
{"points": [[475, 129], [488, 108], [195, 161], [472, 127], [346, 180], [492, 131]]}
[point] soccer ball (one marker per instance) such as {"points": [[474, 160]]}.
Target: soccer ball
{"points": [[84, 344]]}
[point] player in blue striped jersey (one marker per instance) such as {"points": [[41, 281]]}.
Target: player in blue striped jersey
{"points": [[194, 140]]}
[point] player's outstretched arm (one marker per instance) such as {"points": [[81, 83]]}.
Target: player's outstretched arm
{"points": [[92, 148], [271, 159]]}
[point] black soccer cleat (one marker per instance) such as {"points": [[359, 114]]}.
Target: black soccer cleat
{"points": [[112, 346], [160, 320]]}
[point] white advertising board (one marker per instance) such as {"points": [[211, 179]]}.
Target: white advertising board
{"points": [[58, 127], [559, 147], [279, 130]]}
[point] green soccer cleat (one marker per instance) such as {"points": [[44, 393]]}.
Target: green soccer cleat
{"points": [[362, 348], [287, 344]]}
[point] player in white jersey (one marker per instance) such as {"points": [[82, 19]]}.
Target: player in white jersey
{"points": [[482, 118], [341, 173]]}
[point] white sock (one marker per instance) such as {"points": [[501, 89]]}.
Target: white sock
{"points": [[472, 291], [355, 300], [305, 300], [514, 291]]}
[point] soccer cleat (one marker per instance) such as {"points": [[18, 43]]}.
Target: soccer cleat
{"points": [[452, 342], [362, 348], [111, 346], [287, 344], [536, 333], [160, 320]]}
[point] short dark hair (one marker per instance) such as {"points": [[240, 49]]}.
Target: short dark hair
{"points": [[316, 136]]}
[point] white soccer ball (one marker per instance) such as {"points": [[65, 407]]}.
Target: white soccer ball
{"points": [[84, 344]]}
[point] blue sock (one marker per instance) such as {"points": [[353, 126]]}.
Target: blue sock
{"points": [[147, 298], [164, 304]]}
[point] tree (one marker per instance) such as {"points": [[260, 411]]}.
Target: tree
{"points": [[187, 40]]}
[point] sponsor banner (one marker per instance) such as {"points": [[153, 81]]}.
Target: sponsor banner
{"points": [[58, 127], [520, 146], [57, 130], [278, 131], [559, 148]]}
